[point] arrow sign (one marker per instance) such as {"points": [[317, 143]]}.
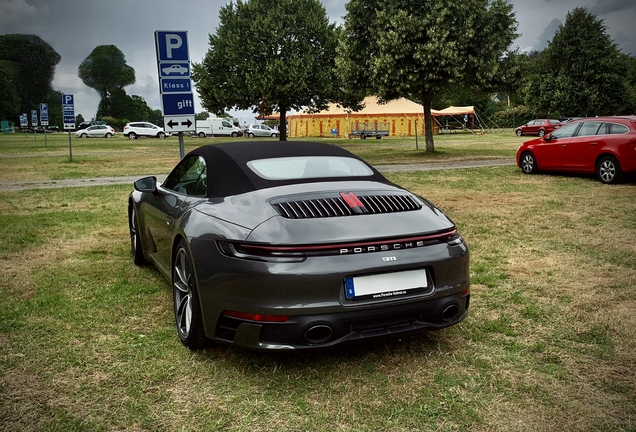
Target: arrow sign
{"points": [[173, 123]]}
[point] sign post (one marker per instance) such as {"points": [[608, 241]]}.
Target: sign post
{"points": [[34, 123], [68, 112], [44, 118], [175, 88], [24, 122]]}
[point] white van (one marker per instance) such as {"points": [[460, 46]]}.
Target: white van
{"points": [[217, 127]]}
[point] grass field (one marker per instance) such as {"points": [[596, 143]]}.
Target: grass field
{"points": [[87, 340], [23, 158]]}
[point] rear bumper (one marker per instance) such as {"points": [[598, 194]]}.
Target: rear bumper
{"points": [[327, 330]]}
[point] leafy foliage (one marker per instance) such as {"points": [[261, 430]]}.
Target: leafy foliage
{"points": [[581, 72], [401, 48], [269, 55], [106, 71], [27, 64]]}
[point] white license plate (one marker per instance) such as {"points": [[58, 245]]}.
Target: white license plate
{"points": [[385, 285]]}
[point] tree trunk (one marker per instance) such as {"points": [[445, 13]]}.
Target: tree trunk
{"points": [[427, 100], [282, 127]]}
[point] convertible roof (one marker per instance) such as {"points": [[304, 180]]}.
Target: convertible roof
{"points": [[228, 173]]}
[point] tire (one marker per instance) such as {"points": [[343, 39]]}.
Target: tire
{"points": [[161, 135], [109, 135], [274, 135], [84, 136], [528, 163], [136, 248], [609, 171], [132, 136], [363, 136], [187, 309], [201, 134], [541, 133], [518, 132], [234, 135], [250, 135]]}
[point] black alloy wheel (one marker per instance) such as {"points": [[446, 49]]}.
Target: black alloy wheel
{"points": [[187, 310], [136, 248]]}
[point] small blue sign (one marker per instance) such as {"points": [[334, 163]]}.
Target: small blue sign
{"points": [[176, 85], [68, 111], [175, 104], [44, 114], [34, 117], [172, 45], [24, 120]]}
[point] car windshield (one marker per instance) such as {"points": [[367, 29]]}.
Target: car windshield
{"points": [[566, 131], [303, 167]]}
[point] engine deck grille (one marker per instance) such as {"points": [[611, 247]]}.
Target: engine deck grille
{"points": [[343, 206]]}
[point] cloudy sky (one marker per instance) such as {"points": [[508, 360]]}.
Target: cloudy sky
{"points": [[75, 27]]}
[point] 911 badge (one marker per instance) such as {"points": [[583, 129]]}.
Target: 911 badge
{"points": [[389, 259]]}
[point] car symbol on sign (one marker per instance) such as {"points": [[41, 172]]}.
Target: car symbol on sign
{"points": [[175, 69]]}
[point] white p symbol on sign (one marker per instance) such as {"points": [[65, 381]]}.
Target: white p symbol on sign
{"points": [[173, 41], [68, 99]]}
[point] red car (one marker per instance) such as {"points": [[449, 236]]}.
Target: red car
{"points": [[538, 127], [602, 145]]}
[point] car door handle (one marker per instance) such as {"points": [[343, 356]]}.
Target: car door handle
{"points": [[593, 144], [562, 146]]}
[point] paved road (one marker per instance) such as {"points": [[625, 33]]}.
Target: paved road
{"points": [[106, 181]]}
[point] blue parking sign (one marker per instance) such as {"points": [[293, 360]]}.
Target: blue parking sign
{"points": [[172, 45]]}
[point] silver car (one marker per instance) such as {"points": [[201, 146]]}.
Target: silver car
{"points": [[261, 130], [104, 131]]}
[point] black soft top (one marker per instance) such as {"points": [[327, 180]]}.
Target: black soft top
{"points": [[228, 173]]}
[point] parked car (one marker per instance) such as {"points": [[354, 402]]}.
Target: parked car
{"points": [[216, 127], [139, 129], [602, 145], [261, 130], [296, 246], [538, 127], [104, 131]]}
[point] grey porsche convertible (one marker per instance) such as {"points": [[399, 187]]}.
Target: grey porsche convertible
{"points": [[296, 246]]}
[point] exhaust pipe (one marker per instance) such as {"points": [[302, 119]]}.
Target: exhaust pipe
{"points": [[450, 312], [318, 334]]}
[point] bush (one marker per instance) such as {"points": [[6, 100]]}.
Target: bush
{"points": [[118, 124]]}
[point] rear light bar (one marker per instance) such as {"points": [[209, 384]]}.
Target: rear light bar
{"points": [[299, 253], [256, 317]]}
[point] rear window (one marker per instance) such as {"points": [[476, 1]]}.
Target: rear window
{"points": [[305, 167], [618, 128]]}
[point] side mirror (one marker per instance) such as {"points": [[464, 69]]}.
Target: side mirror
{"points": [[547, 138], [146, 184]]}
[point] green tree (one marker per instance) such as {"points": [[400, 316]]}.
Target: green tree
{"points": [[29, 63], [106, 71], [269, 55], [155, 117], [406, 48], [581, 72], [9, 98], [78, 120], [202, 115]]}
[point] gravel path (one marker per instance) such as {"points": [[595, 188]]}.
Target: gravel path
{"points": [[106, 181]]}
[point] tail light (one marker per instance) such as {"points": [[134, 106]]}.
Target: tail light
{"points": [[256, 317]]}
